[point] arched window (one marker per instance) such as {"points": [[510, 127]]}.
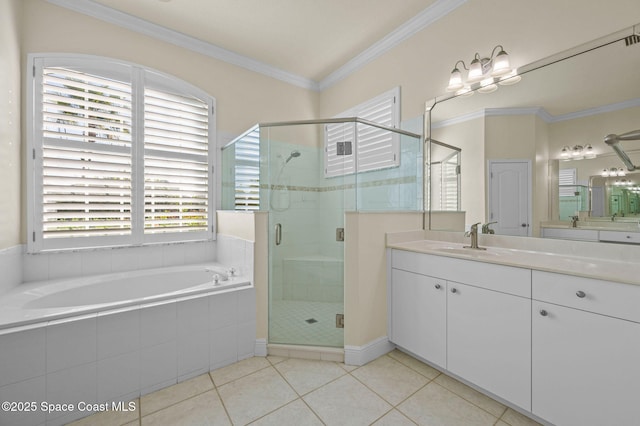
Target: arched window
{"points": [[118, 154]]}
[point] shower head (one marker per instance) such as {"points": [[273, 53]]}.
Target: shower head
{"points": [[294, 154]]}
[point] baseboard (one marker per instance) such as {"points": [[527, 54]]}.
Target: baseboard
{"points": [[260, 347], [360, 355]]}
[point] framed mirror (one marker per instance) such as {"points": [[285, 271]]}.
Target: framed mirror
{"points": [[570, 101]]}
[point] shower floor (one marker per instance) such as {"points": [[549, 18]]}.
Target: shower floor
{"points": [[305, 323]]}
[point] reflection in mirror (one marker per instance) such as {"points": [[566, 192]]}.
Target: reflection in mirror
{"points": [[571, 100], [445, 176], [616, 197]]}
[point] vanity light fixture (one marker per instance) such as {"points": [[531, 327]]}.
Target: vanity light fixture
{"points": [[486, 71], [613, 171], [577, 152]]}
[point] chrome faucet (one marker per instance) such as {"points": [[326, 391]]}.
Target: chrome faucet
{"points": [[574, 221], [473, 233], [613, 217], [486, 228]]}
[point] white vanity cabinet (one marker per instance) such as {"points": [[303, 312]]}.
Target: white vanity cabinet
{"points": [[419, 304], [489, 341], [470, 318], [586, 351]]}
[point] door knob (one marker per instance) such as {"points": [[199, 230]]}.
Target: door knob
{"points": [[453, 290], [543, 312], [438, 286], [580, 294]]}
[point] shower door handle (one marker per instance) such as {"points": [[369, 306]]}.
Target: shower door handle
{"points": [[278, 234]]}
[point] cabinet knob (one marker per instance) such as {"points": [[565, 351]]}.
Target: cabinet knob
{"points": [[580, 294], [454, 290], [543, 312], [438, 286]]}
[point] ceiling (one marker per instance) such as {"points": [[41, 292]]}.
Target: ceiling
{"points": [[306, 38], [314, 43]]}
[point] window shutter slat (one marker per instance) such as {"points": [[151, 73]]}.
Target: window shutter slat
{"points": [[86, 164], [176, 183]]}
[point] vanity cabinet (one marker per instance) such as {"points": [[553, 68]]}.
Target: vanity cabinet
{"points": [[586, 347], [489, 341], [418, 303], [620, 237], [470, 318]]}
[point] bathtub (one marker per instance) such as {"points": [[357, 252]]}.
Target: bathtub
{"points": [[115, 337]]}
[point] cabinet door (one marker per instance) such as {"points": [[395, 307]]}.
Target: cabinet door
{"points": [[585, 367], [489, 341], [418, 315]]}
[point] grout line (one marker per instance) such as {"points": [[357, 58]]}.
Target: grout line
{"points": [[221, 402]]}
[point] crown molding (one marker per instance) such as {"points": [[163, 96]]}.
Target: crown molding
{"points": [[129, 22], [422, 20], [539, 111]]}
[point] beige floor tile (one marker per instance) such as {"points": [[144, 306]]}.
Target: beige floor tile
{"points": [[394, 418], [173, 394], [435, 405], [110, 418], [422, 368], [471, 395], [346, 401], [276, 359], [348, 368], [296, 412], [501, 423], [201, 410], [390, 379], [255, 395], [514, 418], [239, 369], [307, 375]]}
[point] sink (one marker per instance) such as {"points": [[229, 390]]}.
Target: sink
{"points": [[466, 251]]}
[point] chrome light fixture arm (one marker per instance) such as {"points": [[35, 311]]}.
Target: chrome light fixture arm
{"points": [[612, 140]]}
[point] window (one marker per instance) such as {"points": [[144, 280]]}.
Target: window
{"points": [[247, 171], [567, 182], [120, 155], [374, 148]]}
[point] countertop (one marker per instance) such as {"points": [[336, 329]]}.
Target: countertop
{"points": [[602, 269]]}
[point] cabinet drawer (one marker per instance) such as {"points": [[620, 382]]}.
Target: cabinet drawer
{"points": [[506, 279], [570, 234], [602, 297], [620, 237]]}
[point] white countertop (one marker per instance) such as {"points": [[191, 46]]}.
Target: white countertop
{"points": [[587, 267], [594, 225]]}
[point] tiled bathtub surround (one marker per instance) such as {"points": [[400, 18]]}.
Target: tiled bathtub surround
{"points": [[122, 354], [11, 268]]}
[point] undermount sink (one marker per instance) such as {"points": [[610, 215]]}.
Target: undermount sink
{"points": [[466, 251]]}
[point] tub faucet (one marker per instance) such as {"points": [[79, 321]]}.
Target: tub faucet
{"points": [[473, 233]]}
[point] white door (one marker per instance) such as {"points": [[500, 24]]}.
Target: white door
{"points": [[510, 196]]}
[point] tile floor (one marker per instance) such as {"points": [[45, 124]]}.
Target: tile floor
{"points": [[394, 389]]}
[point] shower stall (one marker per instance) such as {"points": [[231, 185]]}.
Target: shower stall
{"points": [[307, 175]]}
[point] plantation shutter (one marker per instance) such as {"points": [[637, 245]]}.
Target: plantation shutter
{"points": [[450, 184], [247, 171], [373, 147], [567, 181], [86, 154], [176, 149]]}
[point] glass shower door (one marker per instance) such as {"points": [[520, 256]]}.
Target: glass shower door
{"points": [[306, 248]]}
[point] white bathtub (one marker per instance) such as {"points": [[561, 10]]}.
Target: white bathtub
{"points": [[47, 300], [115, 337]]}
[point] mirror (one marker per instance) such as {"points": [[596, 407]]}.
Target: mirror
{"points": [[573, 99]]}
